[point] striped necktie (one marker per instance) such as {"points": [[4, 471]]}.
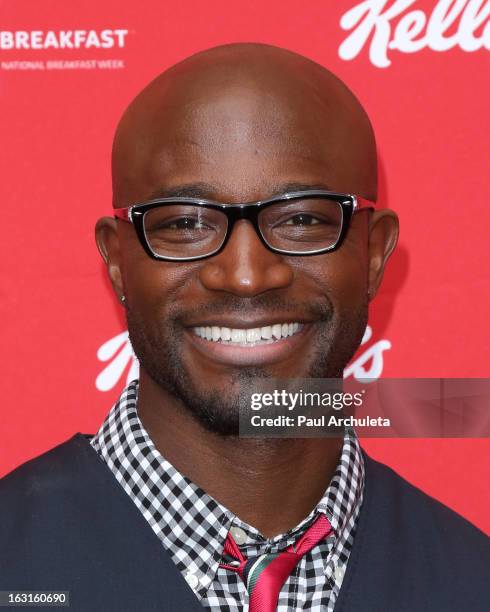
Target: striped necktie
{"points": [[265, 575]]}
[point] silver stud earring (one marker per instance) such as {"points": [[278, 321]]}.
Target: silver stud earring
{"points": [[123, 298]]}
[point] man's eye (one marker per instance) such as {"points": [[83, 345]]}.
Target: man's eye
{"points": [[302, 219], [184, 223]]}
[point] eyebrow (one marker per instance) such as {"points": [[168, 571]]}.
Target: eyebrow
{"points": [[209, 191]]}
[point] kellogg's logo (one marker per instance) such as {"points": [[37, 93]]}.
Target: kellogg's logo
{"points": [[118, 354], [390, 26]]}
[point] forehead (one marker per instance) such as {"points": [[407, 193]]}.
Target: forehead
{"points": [[244, 136], [239, 142]]}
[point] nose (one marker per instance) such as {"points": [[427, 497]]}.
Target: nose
{"points": [[245, 267]]}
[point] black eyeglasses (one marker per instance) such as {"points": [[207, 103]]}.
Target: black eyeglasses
{"points": [[298, 223]]}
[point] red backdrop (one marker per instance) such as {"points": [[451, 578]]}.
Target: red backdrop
{"points": [[421, 70]]}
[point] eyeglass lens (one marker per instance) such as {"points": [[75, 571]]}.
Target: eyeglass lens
{"points": [[183, 230]]}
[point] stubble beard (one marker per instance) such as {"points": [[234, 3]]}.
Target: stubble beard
{"points": [[158, 349]]}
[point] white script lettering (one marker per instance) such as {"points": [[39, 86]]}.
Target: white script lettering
{"points": [[390, 26]]}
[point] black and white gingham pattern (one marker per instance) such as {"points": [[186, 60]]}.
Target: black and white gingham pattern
{"points": [[193, 527]]}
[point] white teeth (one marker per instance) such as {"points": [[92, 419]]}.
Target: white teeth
{"points": [[238, 335], [266, 332], [252, 336], [276, 331]]}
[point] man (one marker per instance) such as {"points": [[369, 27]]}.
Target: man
{"points": [[166, 507]]}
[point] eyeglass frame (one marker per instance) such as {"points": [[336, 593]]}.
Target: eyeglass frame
{"points": [[249, 211]]}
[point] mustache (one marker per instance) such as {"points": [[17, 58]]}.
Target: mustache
{"points": [[320, 309]]}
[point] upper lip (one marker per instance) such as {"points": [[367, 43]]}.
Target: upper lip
{"points": [[242, 322]]}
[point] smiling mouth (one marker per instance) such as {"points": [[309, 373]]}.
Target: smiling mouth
{"points": [[248, 337]]}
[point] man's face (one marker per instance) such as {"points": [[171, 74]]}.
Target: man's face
{"points": [[239, 147]]}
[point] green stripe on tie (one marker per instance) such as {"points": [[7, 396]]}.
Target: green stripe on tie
{"points": [[258, 567]]}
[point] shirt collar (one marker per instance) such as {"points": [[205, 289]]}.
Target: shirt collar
{"points": [[191, 524]]}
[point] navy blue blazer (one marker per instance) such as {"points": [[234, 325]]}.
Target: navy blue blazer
{"points": [[66, 524]]}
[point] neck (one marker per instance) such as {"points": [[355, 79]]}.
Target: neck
{"points": [[271, 484]]}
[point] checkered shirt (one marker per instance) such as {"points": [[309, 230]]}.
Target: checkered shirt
{"points": [[192, 526]]}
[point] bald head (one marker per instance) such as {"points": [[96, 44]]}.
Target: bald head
{"points": [[233, 118]]}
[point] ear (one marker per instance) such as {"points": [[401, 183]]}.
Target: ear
{"points": [[383, 236], [107, 239]]}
